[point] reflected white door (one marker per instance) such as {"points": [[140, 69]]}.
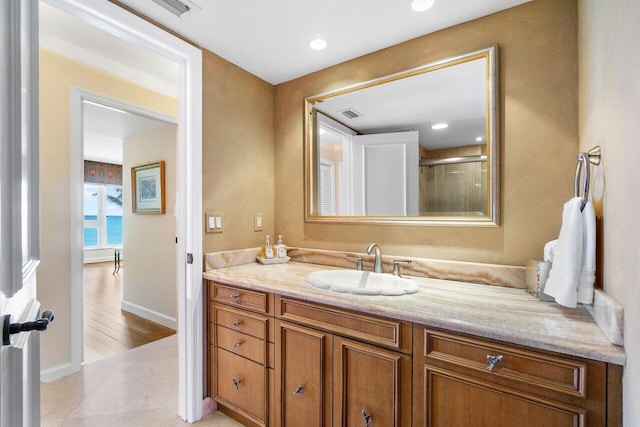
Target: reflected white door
{"points": [[385, 174], [19, 243]]}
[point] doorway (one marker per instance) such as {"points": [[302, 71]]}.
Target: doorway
{"points": [[125, 307], [65, 256]]}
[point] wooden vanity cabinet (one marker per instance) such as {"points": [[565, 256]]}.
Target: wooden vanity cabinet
{"points": [[279, 361], [242, 352], [347, 367], [462, 381]]}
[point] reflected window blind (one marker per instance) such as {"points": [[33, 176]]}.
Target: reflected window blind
{"points": [[326, 196]]}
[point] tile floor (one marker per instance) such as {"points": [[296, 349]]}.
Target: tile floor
{"points": [[137, 388]]}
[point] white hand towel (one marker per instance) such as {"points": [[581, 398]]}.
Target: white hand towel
{"points": [[567, 262], [587, 273], [550, 250]]}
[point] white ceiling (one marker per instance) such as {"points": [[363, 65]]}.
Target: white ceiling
{"points": [[73, 38], [105, 128], [456, 95], [270, 38]]}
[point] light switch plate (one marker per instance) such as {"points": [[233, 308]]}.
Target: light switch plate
{"points": [[257, 222], [213, 222]]}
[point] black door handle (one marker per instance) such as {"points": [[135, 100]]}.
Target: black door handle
{"points": [[9, 328]]}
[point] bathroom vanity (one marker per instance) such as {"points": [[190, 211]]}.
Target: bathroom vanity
{"points": [[283, 353]]}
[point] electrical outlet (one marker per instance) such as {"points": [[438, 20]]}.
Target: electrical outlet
{"points": [[257, 222]]}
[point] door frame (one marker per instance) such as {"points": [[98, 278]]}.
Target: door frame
{"points": [[78, 95], [117, 21]]}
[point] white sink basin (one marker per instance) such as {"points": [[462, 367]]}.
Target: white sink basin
{"points": [[361, 282]]}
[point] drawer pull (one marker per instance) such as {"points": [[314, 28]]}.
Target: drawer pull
{"points": [[236, 383], [236, 298], [237, 344], [237, 324], [367, 418], [298, 390], [493, 361]]}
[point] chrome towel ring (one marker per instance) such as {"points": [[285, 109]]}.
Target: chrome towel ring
{"points": [[583, 173]]}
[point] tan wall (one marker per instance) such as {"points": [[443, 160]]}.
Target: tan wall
{"points": [[237, 153], [57, 76], [609, 106], [539, 137], [149, 243]]}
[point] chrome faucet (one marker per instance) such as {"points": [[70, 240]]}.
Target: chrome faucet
{"points": [[377, 264]]}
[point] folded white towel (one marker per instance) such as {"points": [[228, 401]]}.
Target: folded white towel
{"points": [[588, 270], [564, 276]]}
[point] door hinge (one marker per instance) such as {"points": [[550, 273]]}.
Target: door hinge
{"points": [[189, 258]]}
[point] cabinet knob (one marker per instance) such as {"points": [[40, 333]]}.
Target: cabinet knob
{"points": [[367, 418], [298, 390], [237, 344], [237, 324], [493, 361], [236, 298], [236, 383]]}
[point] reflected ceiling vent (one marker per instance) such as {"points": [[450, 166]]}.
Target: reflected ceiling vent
{"points": [[404, 129], [350, 113], [180, 8]]}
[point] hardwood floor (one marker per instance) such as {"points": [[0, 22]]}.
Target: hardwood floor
{"points": [[107, 329]]}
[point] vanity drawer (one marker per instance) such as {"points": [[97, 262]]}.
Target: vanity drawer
{"points": [[395, 334], [239, 297], [523, 366], [241, 384], [241, 344], [240, 321]]}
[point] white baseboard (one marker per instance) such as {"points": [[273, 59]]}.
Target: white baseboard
{"points": [[56, 372], [100, 259], [154, 316]]}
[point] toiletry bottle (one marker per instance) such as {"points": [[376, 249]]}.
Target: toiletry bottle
{"points": [[268, 249], [281, 248]]}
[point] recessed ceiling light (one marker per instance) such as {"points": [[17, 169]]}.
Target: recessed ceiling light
{"points": [[318, 44], [422, 5], [439, 126], [479, 139]]}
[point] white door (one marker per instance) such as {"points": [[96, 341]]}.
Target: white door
{"points": [[385, 174], [19, 243]]}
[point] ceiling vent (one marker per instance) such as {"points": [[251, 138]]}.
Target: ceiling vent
{"points": [[350, 113], [180, 8]]}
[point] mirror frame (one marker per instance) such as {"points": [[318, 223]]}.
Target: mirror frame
{"points": [[492, 219]]}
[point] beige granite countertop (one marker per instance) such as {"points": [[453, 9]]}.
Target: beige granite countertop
{"points": [[507, 314]]}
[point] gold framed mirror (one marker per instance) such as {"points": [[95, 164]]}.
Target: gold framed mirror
{"points": [[418, 147]]}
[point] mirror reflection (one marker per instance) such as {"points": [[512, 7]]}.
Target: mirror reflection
{"points": [[417, 146]]}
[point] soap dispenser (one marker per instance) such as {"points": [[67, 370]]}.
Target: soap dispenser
{"points": [[267, 250], [281, 248]]}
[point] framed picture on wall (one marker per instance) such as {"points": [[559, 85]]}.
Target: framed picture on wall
{"points": [[147, 188]]}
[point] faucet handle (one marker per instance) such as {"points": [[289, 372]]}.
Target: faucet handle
{"points": [[396, 266], [358, 260]]}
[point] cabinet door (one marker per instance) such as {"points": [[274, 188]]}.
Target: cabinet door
{"points": [[241, 384], [456, 400], [372, 386], [303, 376]]}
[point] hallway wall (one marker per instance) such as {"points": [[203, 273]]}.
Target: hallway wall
{"points": [[149, 241]]}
